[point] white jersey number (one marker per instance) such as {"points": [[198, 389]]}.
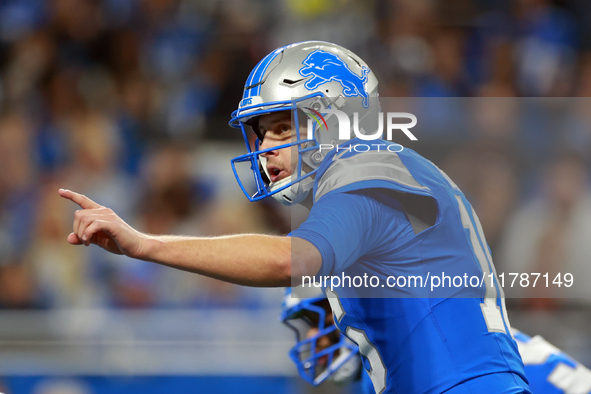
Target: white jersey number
{"points": [[378, 371]]}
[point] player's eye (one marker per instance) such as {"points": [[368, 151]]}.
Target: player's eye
{"points": [[284, 128]]}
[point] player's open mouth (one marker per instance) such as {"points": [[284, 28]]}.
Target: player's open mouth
{"points": [[276, 173]]}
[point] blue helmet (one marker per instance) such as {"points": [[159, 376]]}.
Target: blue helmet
{"points": [[310, 79], [340, 362]]}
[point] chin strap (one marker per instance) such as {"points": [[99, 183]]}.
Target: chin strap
{"points": [[291, 195], [294, 194]]}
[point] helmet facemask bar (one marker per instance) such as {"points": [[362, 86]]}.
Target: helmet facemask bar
{"points": [[317, 365]]}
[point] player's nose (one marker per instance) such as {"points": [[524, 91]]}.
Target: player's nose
{"points": [[312, 332], [321, 343], [268, 143]]}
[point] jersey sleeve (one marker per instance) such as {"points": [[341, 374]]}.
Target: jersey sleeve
{"points": [[344, 227]]}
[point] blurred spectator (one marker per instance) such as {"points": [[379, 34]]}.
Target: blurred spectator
{"points": [[546, 53], [17, 287], [61, 273], [18, 191], [550, 234]]}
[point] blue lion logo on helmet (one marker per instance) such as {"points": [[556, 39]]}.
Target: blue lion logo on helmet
{"points": [[326, 67]]}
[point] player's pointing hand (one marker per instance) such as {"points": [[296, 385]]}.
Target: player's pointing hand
{"points": [[95, 224]]}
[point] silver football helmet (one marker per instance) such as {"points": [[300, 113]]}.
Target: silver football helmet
{"points": [[311, 79]]}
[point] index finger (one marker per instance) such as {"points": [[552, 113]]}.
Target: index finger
{"points": [[80, 199]]}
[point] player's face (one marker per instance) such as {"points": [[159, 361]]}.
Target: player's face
{"points": [[278, 129], [327, 340]]}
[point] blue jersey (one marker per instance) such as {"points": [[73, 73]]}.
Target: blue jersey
{"points": [[366, 384], [396, 215], [549, 370]]}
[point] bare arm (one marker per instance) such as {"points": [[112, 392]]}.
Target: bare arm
{"points": [[249, 259], [246, 259]]}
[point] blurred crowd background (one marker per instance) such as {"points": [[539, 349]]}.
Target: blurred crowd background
{"points": [[128, 101]]}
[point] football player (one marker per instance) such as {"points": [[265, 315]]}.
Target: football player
{"points": [[320, 354], [385, 212]]}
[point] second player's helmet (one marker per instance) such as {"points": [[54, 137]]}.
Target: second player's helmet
{"points": [[310, 79], [339, 360]]}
